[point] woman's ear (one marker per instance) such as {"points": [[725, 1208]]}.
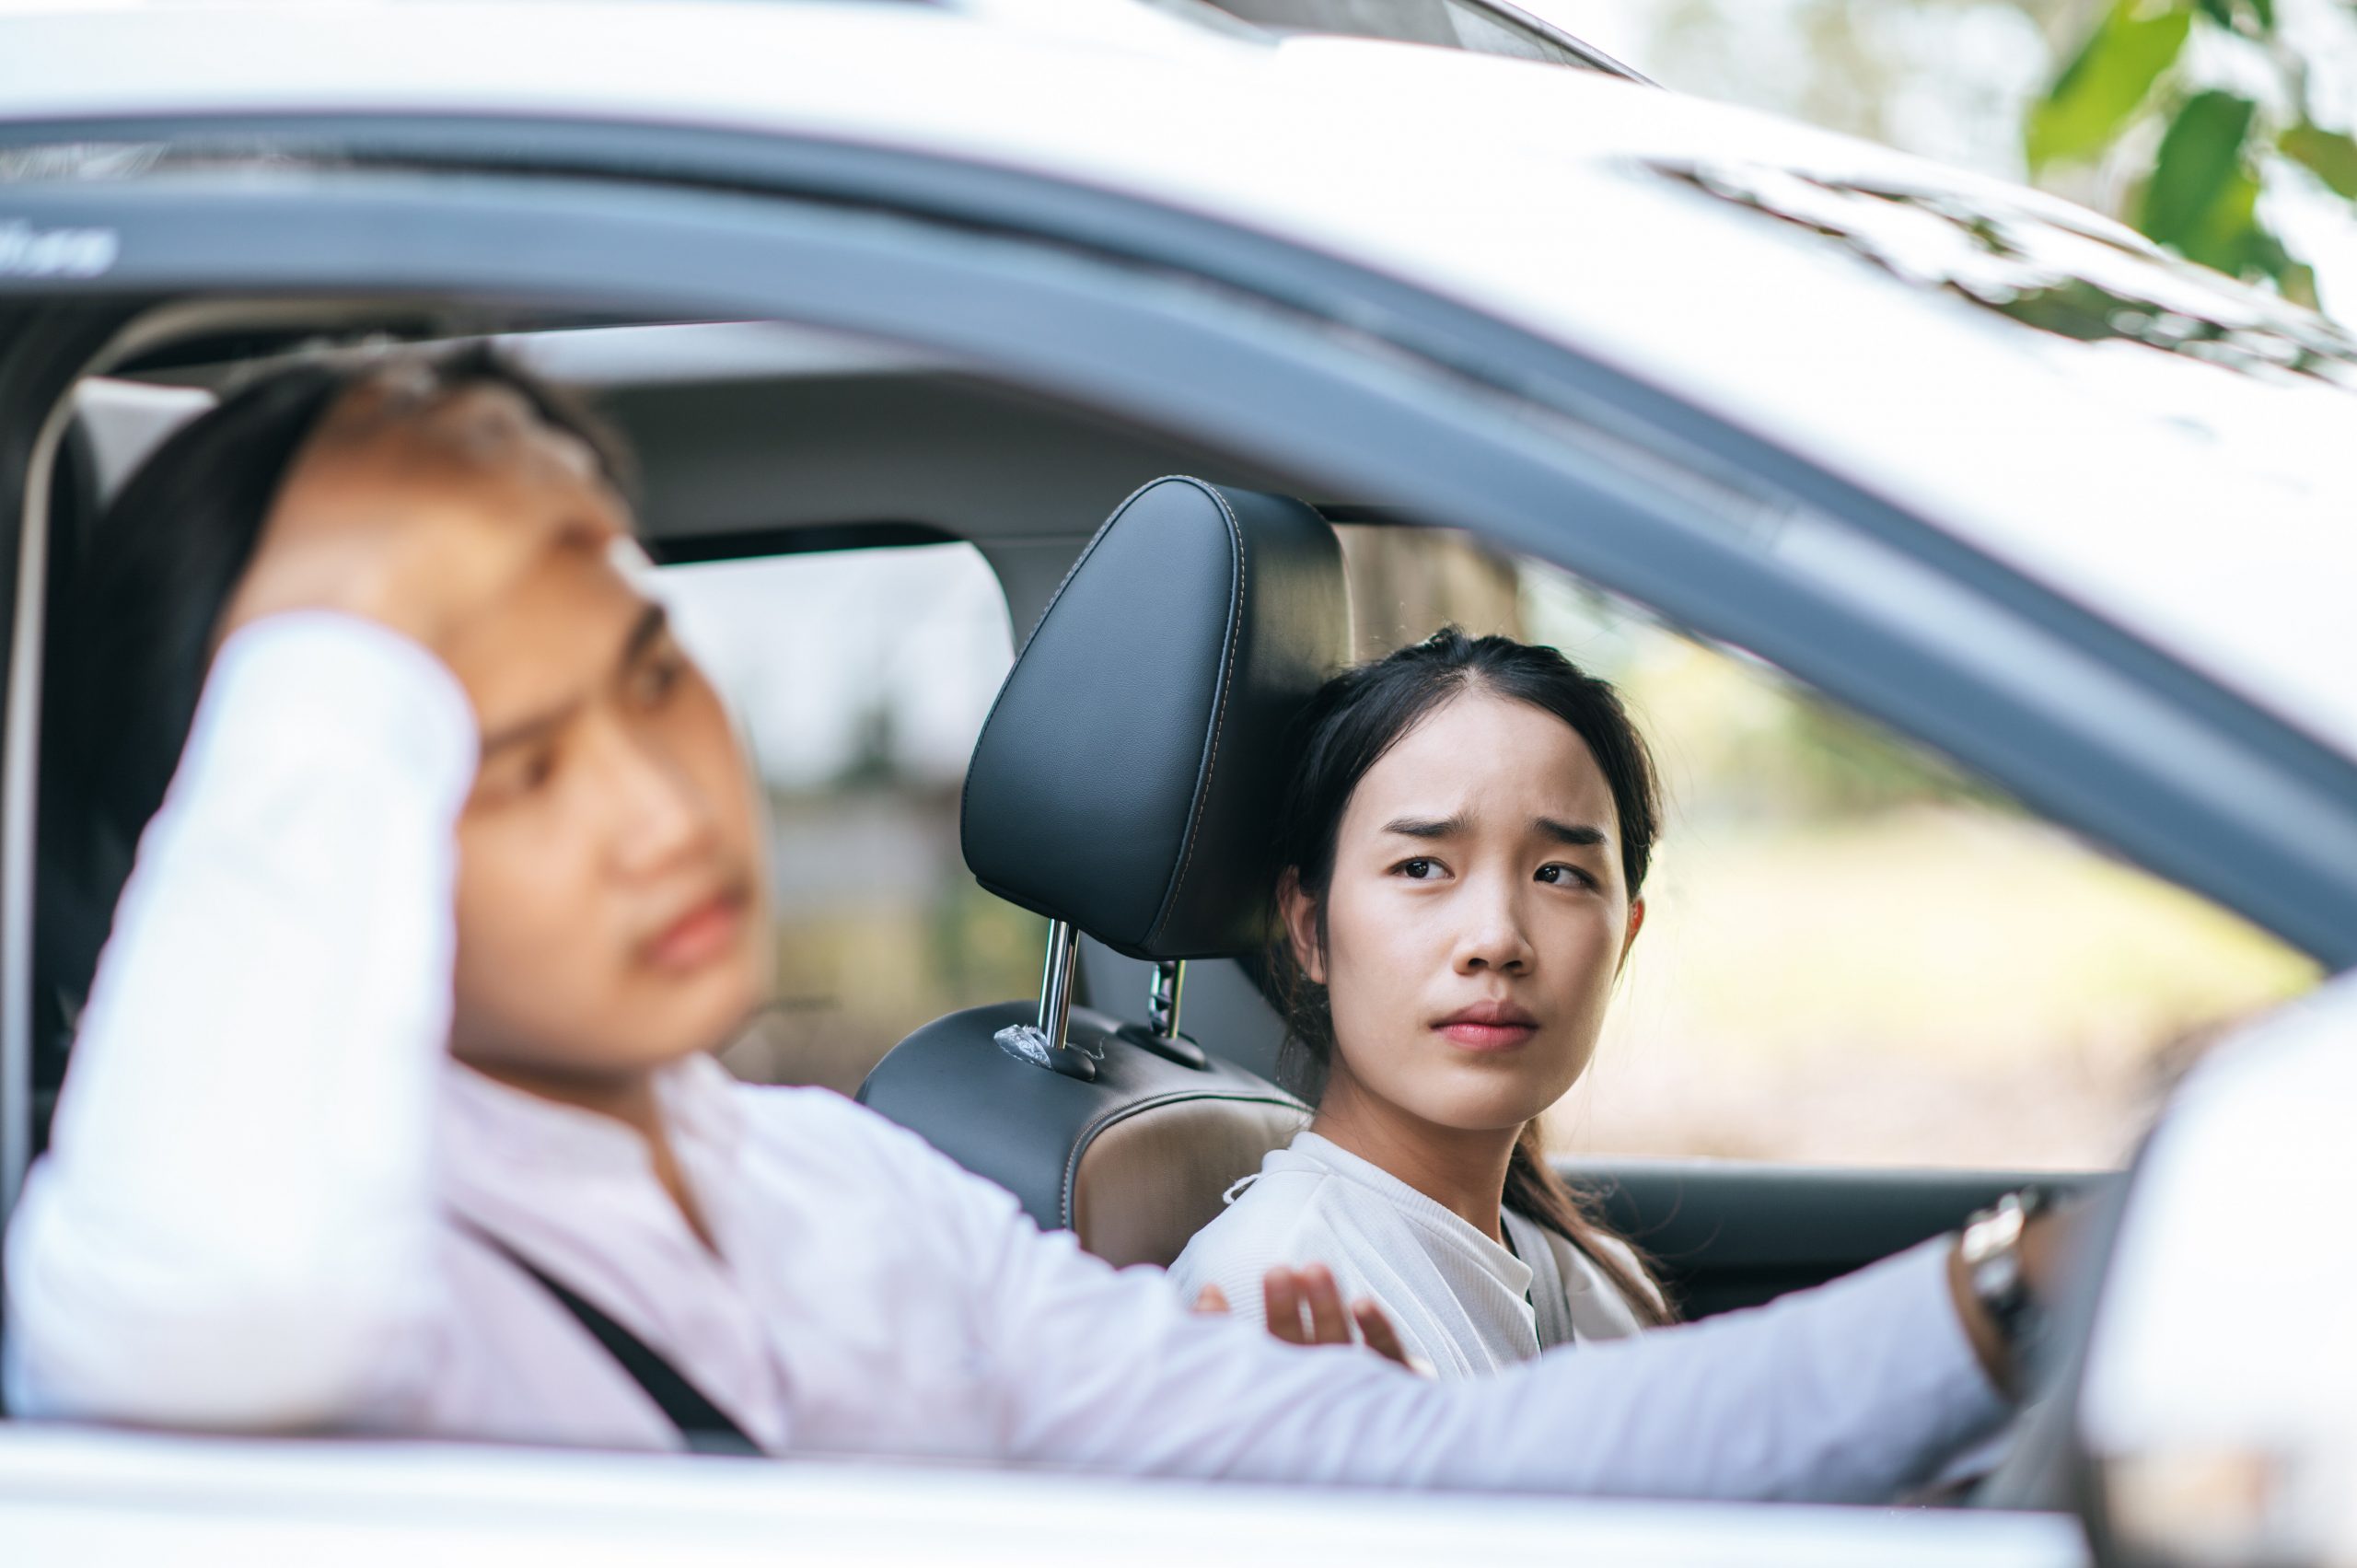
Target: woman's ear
{"points": [[1628, 938], [1299, 911]]}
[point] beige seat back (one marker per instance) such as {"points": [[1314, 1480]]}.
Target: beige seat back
{"points": [[1149, 1182]]}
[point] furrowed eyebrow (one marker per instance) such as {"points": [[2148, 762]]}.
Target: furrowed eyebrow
{"points": [[1426, 827], [644, 632], [1578, 836]]}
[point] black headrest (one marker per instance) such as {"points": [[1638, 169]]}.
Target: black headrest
{"points": [[1129, 776]]}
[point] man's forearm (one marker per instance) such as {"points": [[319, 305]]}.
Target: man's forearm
{"points": [[238, 1194]]}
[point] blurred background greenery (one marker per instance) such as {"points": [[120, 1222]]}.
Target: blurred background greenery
{"points": [[2220, 128], [2193, 180]]}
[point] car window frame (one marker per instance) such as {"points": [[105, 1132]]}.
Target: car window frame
{"points": [[1692, 556], [1298, 361]]}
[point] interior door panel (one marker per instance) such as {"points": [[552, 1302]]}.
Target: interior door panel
{"points": [[1726, 1233]]}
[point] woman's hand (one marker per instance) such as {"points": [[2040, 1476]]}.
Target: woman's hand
{"points": [[420, 508], [1304, 1307]]}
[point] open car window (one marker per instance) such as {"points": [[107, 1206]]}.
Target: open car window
{"points": [[1854, 953], [860, 678]]}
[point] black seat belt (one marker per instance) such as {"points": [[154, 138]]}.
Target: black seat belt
{"points": [[707, 1428]]}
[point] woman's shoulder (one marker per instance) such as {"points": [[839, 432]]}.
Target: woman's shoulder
{"points": [[1293, 1211]]}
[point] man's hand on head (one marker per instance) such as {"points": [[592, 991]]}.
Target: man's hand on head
{"points": [[421, 507]]}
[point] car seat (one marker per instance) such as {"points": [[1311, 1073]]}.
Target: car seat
{"points": [[1126, 784]]}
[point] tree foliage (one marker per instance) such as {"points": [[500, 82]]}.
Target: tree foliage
{"points": [[2197, 189]]}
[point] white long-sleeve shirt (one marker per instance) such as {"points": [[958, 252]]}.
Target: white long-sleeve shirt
{"points": [[247, 1216], [1463, 1306]]}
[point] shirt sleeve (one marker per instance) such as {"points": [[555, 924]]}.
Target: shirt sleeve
{"points": [[1851, 1392], [233, 1225]]}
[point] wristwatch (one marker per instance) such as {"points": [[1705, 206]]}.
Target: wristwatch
{"points": [[1990, 1247]]}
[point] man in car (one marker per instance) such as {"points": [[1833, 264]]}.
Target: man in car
{"points": [[392, 1108]]}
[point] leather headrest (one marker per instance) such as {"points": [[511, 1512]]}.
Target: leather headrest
{"points": [[1129, 777]]}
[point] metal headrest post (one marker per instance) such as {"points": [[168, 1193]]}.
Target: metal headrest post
{"points": [[1045, 1043], [1055, 983], [1159, 1033], [1162, 998]]}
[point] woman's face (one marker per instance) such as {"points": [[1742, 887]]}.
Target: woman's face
{"points": [[1476, 918]]}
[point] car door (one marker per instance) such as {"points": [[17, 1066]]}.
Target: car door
{"points": [[1297, 362]]}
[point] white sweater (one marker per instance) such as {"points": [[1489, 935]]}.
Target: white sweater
{"points": [[1463, 1306]]}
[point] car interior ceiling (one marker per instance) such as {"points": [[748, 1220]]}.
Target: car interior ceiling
{"points": [[758, 438]]}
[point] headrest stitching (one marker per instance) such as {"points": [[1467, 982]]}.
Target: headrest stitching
{"points": [[1219, 713]]}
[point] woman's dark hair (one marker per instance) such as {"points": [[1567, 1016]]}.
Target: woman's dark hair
{"points": [[1346, 728], [133, 607]]}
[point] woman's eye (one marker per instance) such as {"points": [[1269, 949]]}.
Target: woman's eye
{"points": [[1419, 870], [1555, 872]]}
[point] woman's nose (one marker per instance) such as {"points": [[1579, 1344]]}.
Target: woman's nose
{"points": [[1492, 936]]}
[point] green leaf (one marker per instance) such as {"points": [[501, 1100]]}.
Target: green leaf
{"points": [[2230, 237], [2101, 90], [2199, 177], [2254, 19], [2330, 154], [2254, 247]]}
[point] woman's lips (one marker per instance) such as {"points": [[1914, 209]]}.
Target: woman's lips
{"points": [[1489, 1037], [1488, 1026], [704, 934]]}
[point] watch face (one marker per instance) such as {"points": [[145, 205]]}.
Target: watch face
{"points": [[1995, 1230], [1995, 1279]]}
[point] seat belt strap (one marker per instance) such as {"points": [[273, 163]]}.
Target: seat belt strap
{"points": [[707, 1428]]}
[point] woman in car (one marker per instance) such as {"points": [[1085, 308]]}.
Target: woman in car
{"points": [[1466, 839], [392, 1107]]}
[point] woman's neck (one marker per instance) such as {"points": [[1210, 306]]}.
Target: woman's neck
{"points": [[1464, 1172], [630, 1098]]}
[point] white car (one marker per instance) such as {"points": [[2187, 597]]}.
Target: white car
{"points": [[1957, 455]]}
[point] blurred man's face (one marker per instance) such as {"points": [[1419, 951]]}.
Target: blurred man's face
{"points": [[611, 911], [611, 897]]}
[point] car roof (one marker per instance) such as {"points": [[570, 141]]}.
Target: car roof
{"points": [[2166, 449]]}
